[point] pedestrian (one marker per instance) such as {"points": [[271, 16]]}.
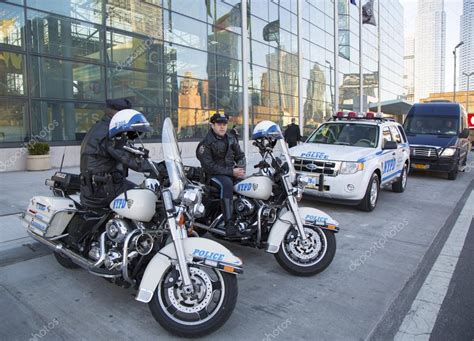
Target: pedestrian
{"points": [[292, 134]]}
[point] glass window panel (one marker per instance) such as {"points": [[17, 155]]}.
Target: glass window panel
{"points": [[13, 122], [256, 28], [184, 61], [226, 43], [142, 88], [137, 16], [258, 76], [201, 10], [72, 120], [259, 53], [285, 19], [133, 52], [193, 93], [192, 123], [58, 78], [259, 8], [88, 10], [186, 31], [63, 37], [12, 23], [12, 74]]}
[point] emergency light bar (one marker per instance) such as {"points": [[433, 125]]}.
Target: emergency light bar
{"points": [[353, 115]]}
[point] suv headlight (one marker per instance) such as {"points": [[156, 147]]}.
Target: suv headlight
{"points": [[448, 152], [351, 167]]}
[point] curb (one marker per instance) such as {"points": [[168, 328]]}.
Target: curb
{"points": [[388, 325]]}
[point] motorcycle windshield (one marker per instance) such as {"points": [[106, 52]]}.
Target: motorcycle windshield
{"points": [[174, 164], [286, 155]]}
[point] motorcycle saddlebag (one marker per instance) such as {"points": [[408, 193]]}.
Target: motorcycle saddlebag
{"points": [[48, 216]]}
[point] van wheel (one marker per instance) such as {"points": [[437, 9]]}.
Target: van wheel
{"points": [[401, 184], [371, 194]]}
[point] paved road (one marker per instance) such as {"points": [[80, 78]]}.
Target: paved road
{"points": [[456, 318], [364, 287]]}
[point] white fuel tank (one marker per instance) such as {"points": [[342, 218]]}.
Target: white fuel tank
{"points": [[256, 187], [140, 204]]}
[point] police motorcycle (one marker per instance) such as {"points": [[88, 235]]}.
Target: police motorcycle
{"points": [[142, 241], [266, 210]]}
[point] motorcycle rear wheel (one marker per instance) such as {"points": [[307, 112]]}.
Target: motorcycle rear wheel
{"points": [[190, 317], [309, 260]]}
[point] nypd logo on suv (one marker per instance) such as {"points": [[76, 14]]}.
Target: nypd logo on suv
{"points": [[350, 157]]}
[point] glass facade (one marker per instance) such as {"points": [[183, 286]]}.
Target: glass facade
{"points": [[61, 59]]}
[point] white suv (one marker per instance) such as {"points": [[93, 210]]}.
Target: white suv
{"points": [[350, 157]]}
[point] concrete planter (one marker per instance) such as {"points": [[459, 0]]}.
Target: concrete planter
{"points": [[38, 162]]}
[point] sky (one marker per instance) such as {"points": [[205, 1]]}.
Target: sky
{"points": [[453, 9]]}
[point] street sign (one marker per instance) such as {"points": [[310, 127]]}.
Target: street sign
{"points": [[470, 120]]}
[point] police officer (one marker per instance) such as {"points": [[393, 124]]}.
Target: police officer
{"points": [[104, 164], [222, 160]]}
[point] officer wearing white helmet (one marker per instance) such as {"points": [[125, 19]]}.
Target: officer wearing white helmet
{"points": [[222, 160], [104, 163]]}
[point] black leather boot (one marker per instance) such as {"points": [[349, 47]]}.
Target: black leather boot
{"points": [[228, 209]]}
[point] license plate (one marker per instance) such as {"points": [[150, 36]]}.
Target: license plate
{"points": [[312, 182], [420, 166]]}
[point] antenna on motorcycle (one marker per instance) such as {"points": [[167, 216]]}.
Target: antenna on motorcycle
{"points": [[62, 160]]}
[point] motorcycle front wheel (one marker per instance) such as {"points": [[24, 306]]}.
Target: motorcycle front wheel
{"points": [[307, 260], [199, 314]]}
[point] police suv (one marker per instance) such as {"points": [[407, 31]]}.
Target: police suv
{"points": [[350, 157]]}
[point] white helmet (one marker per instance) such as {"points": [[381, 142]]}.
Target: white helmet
{"points": [[128, 120], [267, 129]]}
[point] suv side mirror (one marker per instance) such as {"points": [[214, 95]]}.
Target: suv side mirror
{"points": [[390, 145], [464, 133], [304, 138]]}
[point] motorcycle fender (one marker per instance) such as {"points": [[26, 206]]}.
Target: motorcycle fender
{"points": [[194, 248], [309, 215]]}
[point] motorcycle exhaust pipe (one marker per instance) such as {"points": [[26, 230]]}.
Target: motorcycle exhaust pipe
{"points": [[79, 260]]}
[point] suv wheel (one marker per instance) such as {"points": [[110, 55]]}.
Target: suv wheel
{"points": [[369, 201], [401, 183]]}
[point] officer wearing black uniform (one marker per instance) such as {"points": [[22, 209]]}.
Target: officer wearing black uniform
{"points": [[222, 160], [292, 134], [104, 164]]}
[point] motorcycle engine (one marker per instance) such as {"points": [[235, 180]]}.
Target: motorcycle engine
{"points": [[117, 229], [244, 207]]}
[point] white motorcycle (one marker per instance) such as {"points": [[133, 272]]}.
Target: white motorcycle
{"points": [[267, 213], [142, 241]]}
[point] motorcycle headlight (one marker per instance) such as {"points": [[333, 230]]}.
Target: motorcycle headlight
{"points": [[192, 197], [351, 167], [448, 152]]}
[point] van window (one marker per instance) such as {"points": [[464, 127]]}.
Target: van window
{"points": [[432, 124]]}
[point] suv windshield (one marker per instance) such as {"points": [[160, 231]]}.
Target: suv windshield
{"points": [[347, 134], [431, 124]]}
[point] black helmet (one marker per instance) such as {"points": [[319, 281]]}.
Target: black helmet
{"points": [[219, 118]]}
